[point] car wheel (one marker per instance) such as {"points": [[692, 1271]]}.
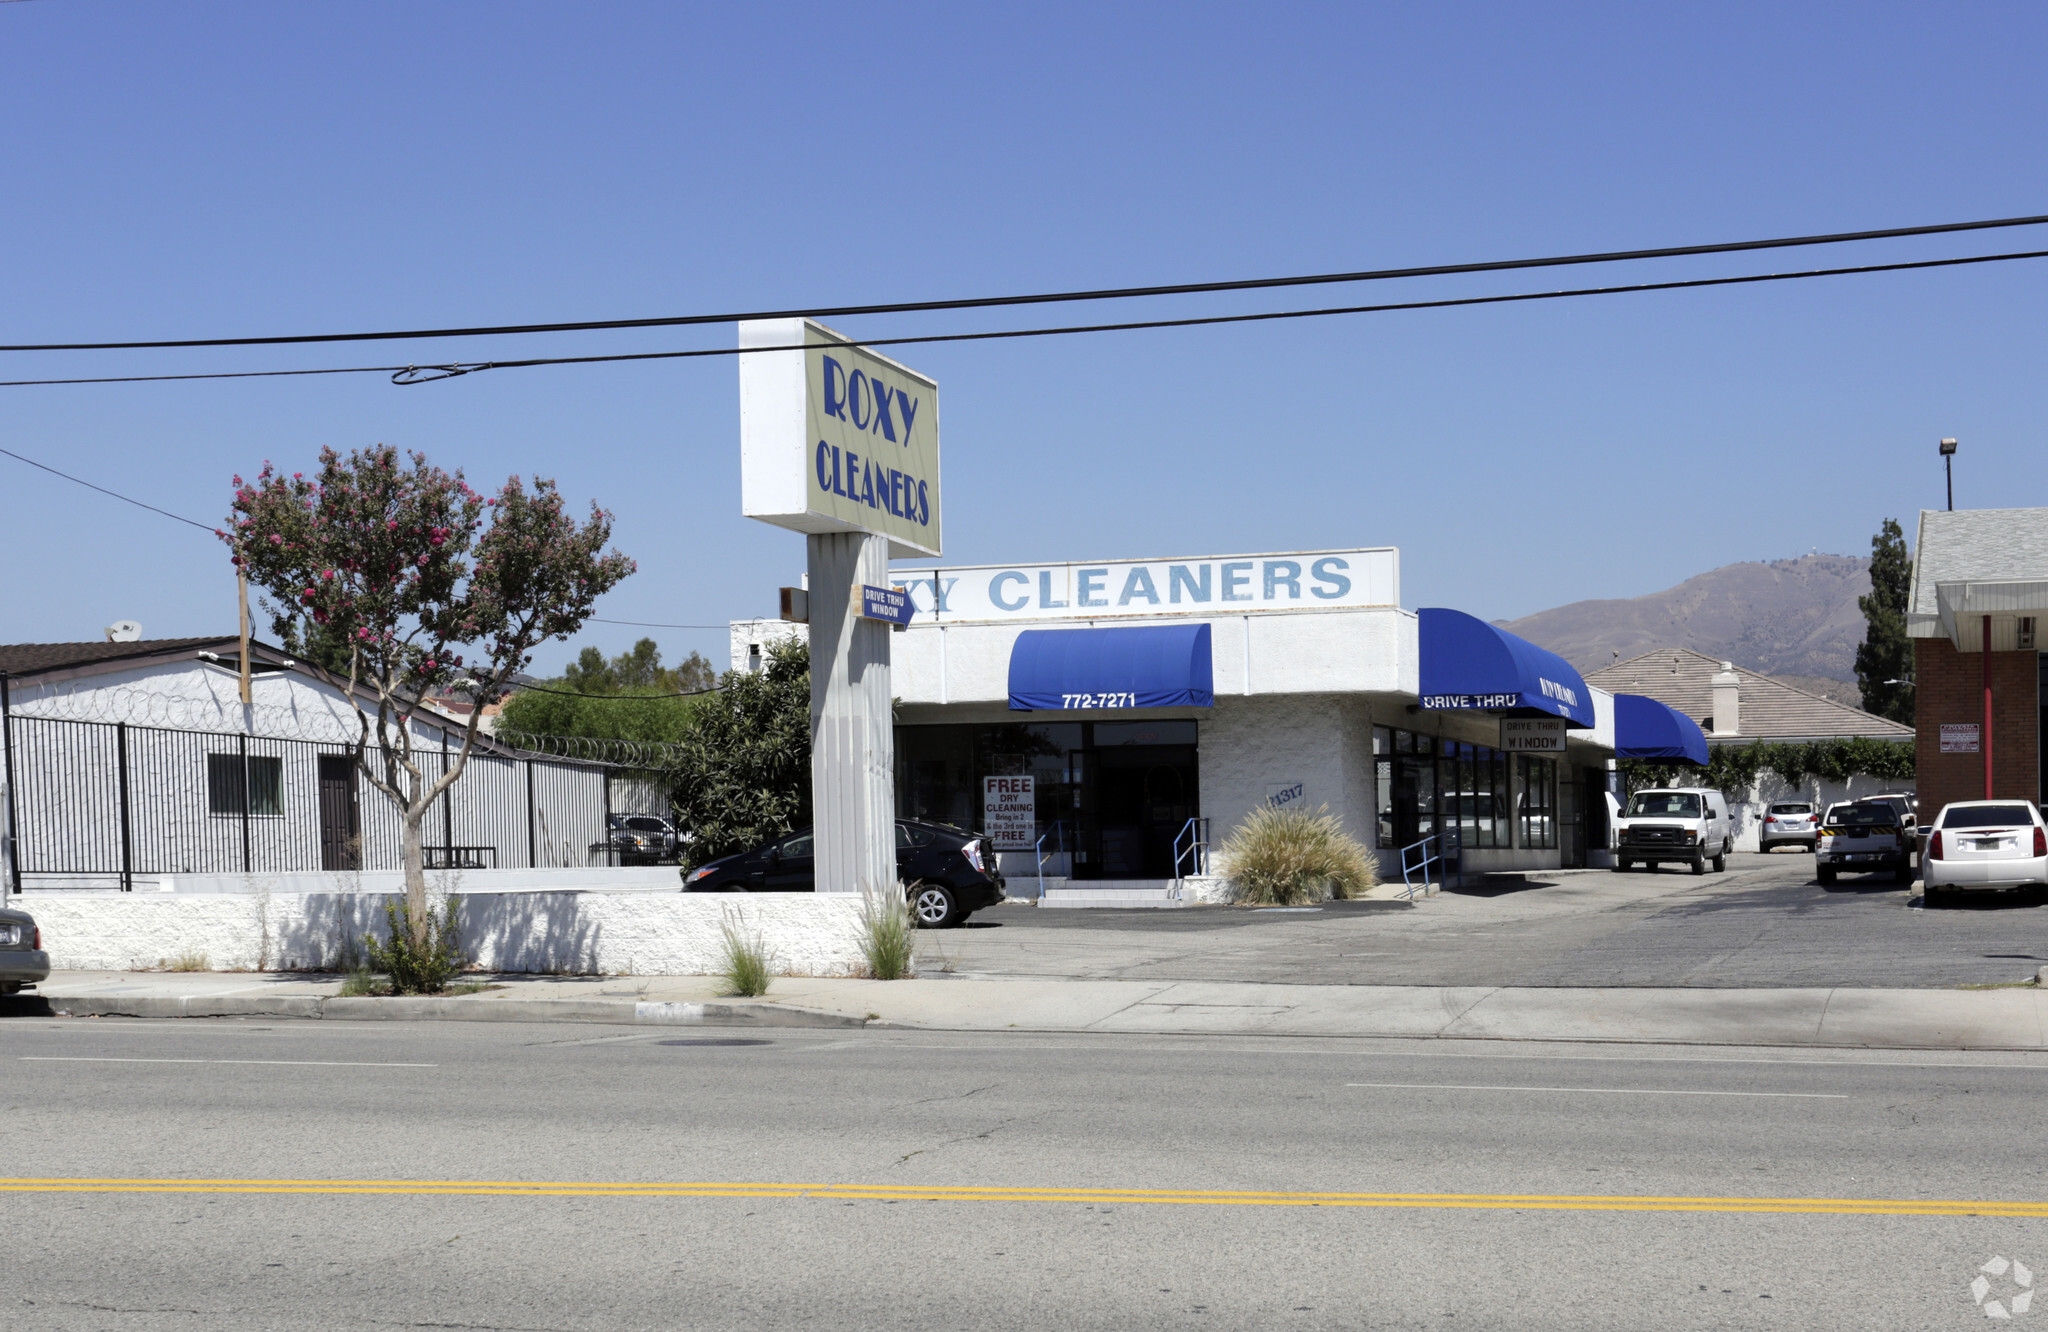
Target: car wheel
{"points": [[1932, 899], [1699, 861], [1825, 873], [1903, 874], [1721, 861], [1623, 866], [934, 905]]}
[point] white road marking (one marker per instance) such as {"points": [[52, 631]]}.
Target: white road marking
{"points": [[1604, 1091], [294, 1063]]}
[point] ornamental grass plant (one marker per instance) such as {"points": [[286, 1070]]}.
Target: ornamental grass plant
{"points": [[888, 936], [746, 965], [1291, 857]]}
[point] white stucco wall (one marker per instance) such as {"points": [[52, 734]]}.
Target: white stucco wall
{"points": [[645, 934], [1747, 808], [1322, 741]]}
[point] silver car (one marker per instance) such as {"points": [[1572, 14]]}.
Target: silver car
{"points": [[1789, 823], [23, 963]]}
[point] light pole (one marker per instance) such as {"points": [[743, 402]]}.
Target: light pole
{"points": [[1948, 455]]}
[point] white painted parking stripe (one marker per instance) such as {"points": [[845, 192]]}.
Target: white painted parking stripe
{"points": [[293, 1063], [1602, 1091]]}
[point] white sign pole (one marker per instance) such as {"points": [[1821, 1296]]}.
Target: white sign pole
{"points": [[853, 739]]}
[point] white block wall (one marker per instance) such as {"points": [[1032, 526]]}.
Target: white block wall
{"points": [[642, 934], [1323, 741]]}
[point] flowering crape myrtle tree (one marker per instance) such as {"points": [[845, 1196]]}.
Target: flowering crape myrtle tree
{"points": [[421, 583]]}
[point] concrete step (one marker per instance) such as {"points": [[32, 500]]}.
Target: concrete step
{"points": [[1113, 893]]}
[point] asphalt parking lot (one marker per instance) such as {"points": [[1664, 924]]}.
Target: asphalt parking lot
{"points": [[1765, 922]]}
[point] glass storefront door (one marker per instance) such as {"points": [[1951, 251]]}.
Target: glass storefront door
{"points": [[1113, 796]]}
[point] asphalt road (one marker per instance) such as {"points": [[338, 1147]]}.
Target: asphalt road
{"points": [[1523, 1149], [1765, 922]]}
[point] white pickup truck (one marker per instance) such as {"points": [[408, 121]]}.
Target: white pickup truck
{"points": [[1683, 825]]}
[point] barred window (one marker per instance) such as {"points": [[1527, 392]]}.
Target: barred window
{"points": [[237, 786]]}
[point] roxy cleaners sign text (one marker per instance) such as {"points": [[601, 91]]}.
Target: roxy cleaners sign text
{"points": [[1203, 585]]}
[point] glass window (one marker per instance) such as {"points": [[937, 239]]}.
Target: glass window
{"points": [[1404, 742], [1664, 804], [1791, 809], [1383, 794], [1973, 816], [1501, 807], [236, 786], [1382, 740], [1143, 733], [1539, 803], [799, 846]]}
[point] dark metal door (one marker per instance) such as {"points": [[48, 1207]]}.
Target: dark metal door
{"points": [[341, 829]]}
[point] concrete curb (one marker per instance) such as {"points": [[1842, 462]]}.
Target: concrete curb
{"points": [[618, 1012]]}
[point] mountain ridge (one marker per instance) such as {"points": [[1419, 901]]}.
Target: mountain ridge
{"points": [[1795, 619]]}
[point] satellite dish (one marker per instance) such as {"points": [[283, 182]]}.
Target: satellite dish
{"points": [[124, 631]]}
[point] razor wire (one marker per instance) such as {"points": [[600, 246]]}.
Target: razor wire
{"points": [[641, 755]]}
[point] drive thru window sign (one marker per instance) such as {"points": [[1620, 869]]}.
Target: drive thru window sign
{"points": [[1532, 735], [891, 604]]}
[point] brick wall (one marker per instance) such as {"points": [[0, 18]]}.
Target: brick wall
{"points": [[1950, 688]]}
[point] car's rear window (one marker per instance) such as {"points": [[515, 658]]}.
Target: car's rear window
{"points": [[1791, 809], [1989, 816], [1862, 816], [642, 823]]}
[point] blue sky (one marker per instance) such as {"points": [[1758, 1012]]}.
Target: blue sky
{"points": [[229, 169]]}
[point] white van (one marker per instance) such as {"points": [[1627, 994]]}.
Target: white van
{"points": [[1686, 825]]}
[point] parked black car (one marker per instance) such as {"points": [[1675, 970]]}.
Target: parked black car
{"points": [[23, 963], [948, 872]]}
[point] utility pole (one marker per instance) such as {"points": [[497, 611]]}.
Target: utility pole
{"points": [[242, 585]]}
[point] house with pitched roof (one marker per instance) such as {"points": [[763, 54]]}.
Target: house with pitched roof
{"points": [[135, 763], [1736, 706]]}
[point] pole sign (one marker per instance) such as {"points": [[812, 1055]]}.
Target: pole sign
{"points": [[1532, 735], [1959, 738], [1009, 812], [836, 438], [891, 604]]}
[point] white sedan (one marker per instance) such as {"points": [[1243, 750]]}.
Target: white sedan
{"points": [[1984, 845]]}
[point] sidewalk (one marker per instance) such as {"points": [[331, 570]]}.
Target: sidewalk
{"points": [[2010, 1018]]}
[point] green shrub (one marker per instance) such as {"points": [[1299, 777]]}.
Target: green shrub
{"points": [[422, 967], [888, 936], [1290, 857], [746, 965]]}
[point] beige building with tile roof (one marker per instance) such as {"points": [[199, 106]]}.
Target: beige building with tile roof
{"points": [[1732, 704]]}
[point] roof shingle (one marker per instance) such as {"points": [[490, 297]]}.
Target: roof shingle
{"points": [[1770, 709]]}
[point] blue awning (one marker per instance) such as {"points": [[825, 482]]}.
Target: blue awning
{"points": [[1647, 729], [1467, 663], [1155, 666]]}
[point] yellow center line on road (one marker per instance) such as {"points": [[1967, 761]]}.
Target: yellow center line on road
{"points": [[979, 1193]]}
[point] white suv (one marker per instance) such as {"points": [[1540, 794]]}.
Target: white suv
{"points": [[1688, 825], [1979, 845]]}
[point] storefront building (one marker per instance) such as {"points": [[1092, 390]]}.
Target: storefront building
{"points": [[1155, 704], [1978, 598]]}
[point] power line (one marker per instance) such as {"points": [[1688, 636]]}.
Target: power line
{"points": [[427, 374], [1043, 298], [104, 491]]}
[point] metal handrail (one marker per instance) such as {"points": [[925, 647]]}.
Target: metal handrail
{"points": [[1420, 865], [1195, 834], [1058, 832]]}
